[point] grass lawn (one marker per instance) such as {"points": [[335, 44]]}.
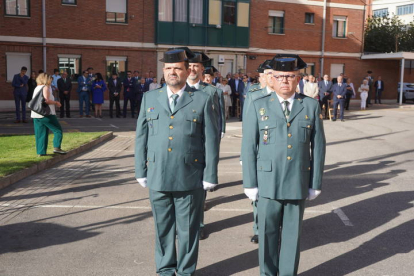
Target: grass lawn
{"points": [[19, 151]]}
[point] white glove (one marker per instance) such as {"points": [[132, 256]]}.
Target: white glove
{"points": [[252, 193], [208, 186], [241, 163], [142, 182], [222, 135], [313, 194]]}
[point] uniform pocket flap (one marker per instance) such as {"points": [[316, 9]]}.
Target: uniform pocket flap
{"points": [[152, 116], [267, 125], [306, 124], [194, 158], [194, 119], [264, 165], [151, 156]]}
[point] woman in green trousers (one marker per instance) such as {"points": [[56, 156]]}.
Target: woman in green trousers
{"points": [[42, 124]]}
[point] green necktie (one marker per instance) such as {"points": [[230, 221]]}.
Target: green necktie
{"points": [[174, 98], [286, 111]]}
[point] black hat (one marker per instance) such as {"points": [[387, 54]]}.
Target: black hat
{"points": [[210, 70], [188, 52], [173, 56], [199, 57], [369, 72], [265, 65], [287, 62]]}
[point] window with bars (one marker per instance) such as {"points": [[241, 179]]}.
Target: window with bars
{"points": [[17, 8], [276, 22], [406, 9], [380, 13], [72, 65]]}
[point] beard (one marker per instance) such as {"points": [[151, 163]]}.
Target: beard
{"points": [[173, 81]]}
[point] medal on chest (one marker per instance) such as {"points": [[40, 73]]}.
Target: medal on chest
{"points": [[266, 135]]}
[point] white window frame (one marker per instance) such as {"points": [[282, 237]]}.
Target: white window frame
{"points": [[272, 15], [336, 26]]}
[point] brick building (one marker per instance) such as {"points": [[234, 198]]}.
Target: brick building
{"points": [[236, 34]]}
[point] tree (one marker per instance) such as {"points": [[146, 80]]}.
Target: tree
{"points": [[388, 34]]}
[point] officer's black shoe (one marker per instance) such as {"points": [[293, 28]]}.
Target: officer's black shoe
{"points": [[334, 119], [202, 236], [255, 239], [342, 120]]}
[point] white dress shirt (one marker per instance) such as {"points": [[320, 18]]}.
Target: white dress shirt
{"points": [[268, 90], [291, 101], [179, 93]]}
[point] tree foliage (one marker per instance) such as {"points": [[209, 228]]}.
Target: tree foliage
{"points": [[388, 34]]}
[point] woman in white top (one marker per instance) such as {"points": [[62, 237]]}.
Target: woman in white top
{"points": [[223, 85], [42, 124], [154, 84], [363, 89]]}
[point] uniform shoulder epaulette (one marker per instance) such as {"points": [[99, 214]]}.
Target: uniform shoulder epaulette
{"points": [[254, 89], [261, 96]]}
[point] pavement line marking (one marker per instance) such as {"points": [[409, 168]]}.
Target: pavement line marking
{"points": [[98, 119], [113, 126], [135, 207], [342, 216]]}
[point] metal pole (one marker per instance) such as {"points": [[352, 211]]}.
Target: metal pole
{"points": [[402, 80], [323, 38], [44, 33]]}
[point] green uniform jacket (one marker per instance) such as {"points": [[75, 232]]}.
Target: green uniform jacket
{"points": [[283, 158], [222, 110], [213, 93], [176, 151]]}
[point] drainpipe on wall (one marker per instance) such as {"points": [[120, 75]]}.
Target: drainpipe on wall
{"points": [[44, 33], [323, 37]]}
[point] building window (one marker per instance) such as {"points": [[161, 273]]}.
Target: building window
{"points": [[339, 26], [196, 11], [229, 13], [17, 7], [309, 18], [214, 12], [116, 64], [69, 2], [116, 11], [242, 14], [380, 13], [165, 10], [71, 64], [406, 9], [310, 70], [276, 22], [180, 11], [15, 62]]}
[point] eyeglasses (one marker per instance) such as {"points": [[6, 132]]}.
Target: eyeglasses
{"points": [[281, 77]]}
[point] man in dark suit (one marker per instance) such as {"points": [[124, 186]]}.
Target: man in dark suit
{"points": [[379, 87], [115, 87], [129, 94], [234, 85], [370, 79], [325, 92], [339, 93], [243, 89], [140, 89], [64, 85], [302, 83]]}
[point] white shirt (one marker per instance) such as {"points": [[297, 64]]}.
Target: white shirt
{"points": [[179, 93], [291, 101], [196, 86], [52, 106], [326, 83], [268, 90], [379, 84]]}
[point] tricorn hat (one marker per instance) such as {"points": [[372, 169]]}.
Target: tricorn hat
{"points": [[199, 57], [369, 72], [287, 62], [265, 65], [173, 56], [210, 70]]}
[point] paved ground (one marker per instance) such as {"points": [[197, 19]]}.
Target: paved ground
{"points": [[88, 216]]}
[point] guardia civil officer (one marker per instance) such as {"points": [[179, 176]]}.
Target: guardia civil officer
{"points": [[256, 91], [208, 75], [176, 156], [283, 157]]}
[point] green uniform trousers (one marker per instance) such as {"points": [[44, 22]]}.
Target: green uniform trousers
{"points": [[202, 211], [41, 129], [255, 219], [176, 214], [280, 224]]}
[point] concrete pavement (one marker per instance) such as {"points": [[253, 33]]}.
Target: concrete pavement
{"points": [[88, 216]]}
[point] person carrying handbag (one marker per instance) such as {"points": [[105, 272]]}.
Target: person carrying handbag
{"points": [[44, 117]]}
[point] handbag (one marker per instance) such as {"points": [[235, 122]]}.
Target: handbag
{"points": [[38, 104]]}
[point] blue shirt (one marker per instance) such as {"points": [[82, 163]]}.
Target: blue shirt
{"points": [[54, 82]]}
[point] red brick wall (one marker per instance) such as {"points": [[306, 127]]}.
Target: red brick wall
{"points": [[301, 36], [21, 26]]}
